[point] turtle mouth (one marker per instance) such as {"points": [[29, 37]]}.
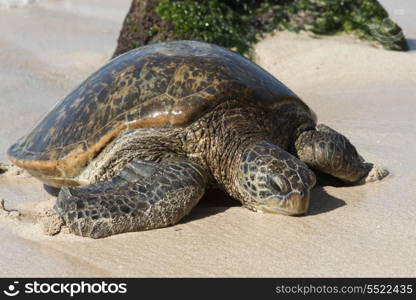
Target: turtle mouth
{"points": [[291, 204]]}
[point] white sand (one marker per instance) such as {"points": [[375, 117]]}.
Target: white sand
{"points": [[364, 92]]}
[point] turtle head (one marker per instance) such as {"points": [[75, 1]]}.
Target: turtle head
{"points": [[270, 179]]}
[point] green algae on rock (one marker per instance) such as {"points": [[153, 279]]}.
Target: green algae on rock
{"points": [[238, 24]]}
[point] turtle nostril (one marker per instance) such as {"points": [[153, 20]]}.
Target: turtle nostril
{"points": [[301, 193]]}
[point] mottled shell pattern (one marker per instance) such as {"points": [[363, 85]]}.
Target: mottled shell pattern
{"points": [[160, 85]]}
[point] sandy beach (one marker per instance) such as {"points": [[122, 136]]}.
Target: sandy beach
{"points": [[367, 93]]}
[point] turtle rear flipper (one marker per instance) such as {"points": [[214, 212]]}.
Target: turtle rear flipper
{"points": [[145, 195]]}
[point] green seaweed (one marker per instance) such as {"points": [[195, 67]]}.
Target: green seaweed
{"points": [[237, 24], [211, 21]]}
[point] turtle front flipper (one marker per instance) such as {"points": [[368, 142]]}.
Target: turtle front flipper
{"points": [[328, 151], [145, 195]]}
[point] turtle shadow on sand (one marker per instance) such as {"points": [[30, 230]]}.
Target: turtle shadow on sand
{"points": [[412, 44], [51, 190], [322, 202], [213, 202], [216, 201]]}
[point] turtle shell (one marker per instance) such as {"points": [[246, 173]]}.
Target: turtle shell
{"points": [[160, 85]]}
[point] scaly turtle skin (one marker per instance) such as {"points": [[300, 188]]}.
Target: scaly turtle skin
{"points": [[135, 145]]}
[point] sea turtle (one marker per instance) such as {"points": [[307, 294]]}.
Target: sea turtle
{"points": [[137, 143]]}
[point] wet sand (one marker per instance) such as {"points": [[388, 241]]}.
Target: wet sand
{"points": [[365, 92]]}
